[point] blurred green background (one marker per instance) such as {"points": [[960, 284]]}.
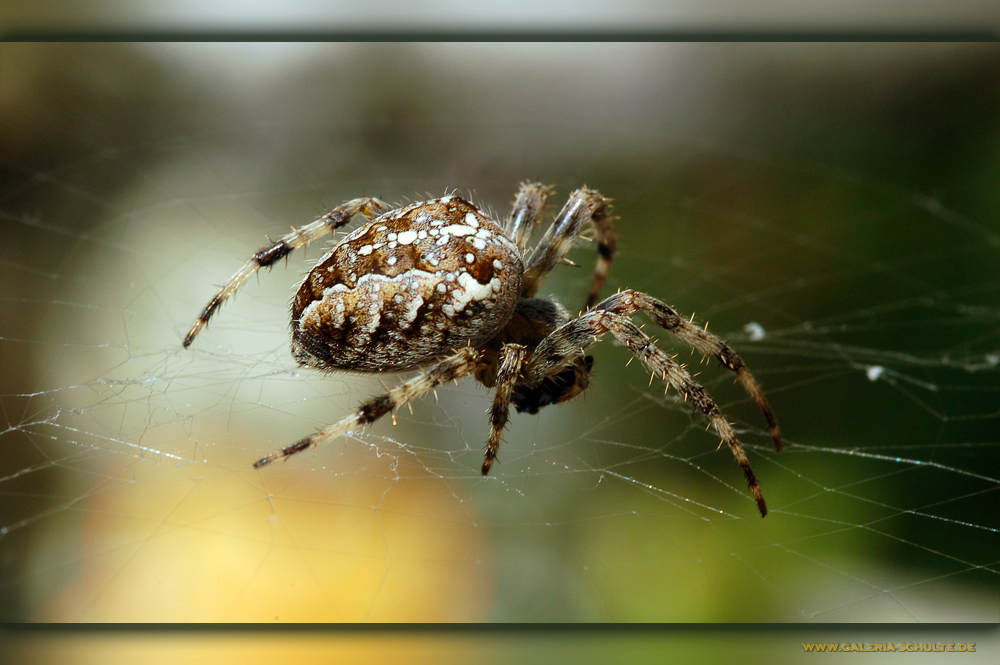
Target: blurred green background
{"points": [[831, 209]]}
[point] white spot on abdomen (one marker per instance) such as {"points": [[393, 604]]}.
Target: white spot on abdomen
{"points": [[458, 230], [472, 290]]}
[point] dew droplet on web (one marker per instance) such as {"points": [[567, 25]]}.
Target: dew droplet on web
{"points": [[755, 331]]}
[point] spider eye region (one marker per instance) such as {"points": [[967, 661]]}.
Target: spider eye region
{"points": [[407, 288]]}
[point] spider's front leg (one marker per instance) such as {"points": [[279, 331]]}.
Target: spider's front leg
{"points": [[583, 205], [565, 344], [508, 375], [628, 302], [529, 204], [271, 254], [460, 364]]}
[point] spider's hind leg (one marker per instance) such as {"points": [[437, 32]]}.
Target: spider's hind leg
{"points": [[462, 363], [279, 249]]}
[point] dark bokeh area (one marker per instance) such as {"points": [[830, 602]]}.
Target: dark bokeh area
{"points": [[831, 209]]}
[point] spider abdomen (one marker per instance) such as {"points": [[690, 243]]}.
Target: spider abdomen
{"points": [[407, 289]]}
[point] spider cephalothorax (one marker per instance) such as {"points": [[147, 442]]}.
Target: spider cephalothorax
{"points": [[438, 285]]}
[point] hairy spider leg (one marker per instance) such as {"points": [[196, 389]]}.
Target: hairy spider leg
{"points": [[567, 342], [271, 254], [508, 375], [528, 207], [607, 247], [462, 363], [582, 206], [628, 302]]}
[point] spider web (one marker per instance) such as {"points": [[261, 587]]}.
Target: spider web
{"points": [[831, 211]]}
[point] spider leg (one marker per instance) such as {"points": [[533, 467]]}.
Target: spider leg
{"points": [[607, 247], [629, 301], [454, 367], [566, 343], [528, 207], [507, 377], [583, 205], [271, 254]]}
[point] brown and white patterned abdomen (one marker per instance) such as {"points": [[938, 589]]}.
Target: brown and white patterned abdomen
{"points": [[408, 288]]}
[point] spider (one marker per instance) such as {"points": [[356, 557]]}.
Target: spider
{"points": [[439, 286]]}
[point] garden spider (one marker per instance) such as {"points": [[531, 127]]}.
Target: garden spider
{"points": [[438, 285]]}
